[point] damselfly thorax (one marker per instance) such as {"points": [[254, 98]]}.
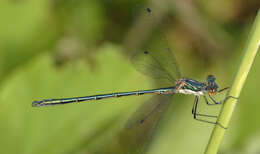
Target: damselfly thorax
{"points": [[194, 87]]}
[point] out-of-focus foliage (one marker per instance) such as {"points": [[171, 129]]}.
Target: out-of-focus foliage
{"points": [[66, 48]]}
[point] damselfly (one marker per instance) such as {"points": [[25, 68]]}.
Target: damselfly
{"points": [[158, 63]]}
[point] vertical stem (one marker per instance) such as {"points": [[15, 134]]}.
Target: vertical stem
{"points": [[250, 50]]}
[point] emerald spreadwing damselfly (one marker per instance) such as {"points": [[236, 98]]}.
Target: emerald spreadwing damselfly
{"points": [[158, 63]]}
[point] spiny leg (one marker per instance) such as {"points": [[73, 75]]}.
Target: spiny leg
{"points": [[223, 89], [207, 102], [195, 106], [194, 110], [227, 96], [215, 101], [223, 101]]}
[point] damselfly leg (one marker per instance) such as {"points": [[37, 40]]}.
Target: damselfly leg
{"points": [[195, 107], [215, 102]]}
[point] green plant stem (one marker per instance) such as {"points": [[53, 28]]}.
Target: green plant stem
{"points": [[250, 50]]}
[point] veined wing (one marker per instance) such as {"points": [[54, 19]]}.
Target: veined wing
{"points": [[139, 129], [154, 57]]}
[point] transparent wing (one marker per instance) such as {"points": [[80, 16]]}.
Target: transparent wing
{"points": [[142, 124], [154, 57]]}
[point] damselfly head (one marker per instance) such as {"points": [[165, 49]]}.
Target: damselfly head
{"points": [[212, 86], [211, 78]]}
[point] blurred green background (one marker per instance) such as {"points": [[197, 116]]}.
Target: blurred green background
{"points": [[66, 48]]}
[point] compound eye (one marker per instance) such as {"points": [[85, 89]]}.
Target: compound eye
{"points": [[211, 78]]}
